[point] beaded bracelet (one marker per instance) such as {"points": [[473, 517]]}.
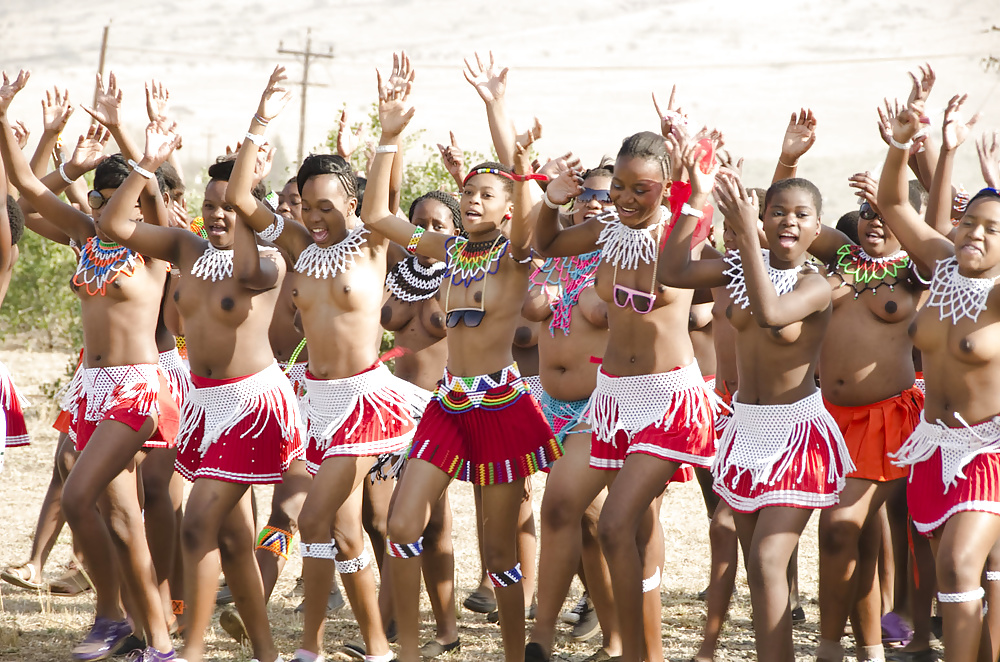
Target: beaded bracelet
{"points": [[411, 245], [688, 210], [62, 173], [139, 169]]}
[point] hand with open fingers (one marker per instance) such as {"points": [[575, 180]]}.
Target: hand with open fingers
{"points": [[989, 158], [955, 131], [264, 163], [554, 167], [489, 80], [702, 179], [89, 150], [672, 118], [727, 163], [56, 110], [10, 88], [736, 204], [886, 113], [348, 140], [108, 102], [921, 88], [402, 71], [179, 215], [535, 130], [800, 134], [866, 188], [394, 109], [275, 96], [161, 139], [522, 155], [453, 158], [157, 100], [21, 133], [566, 185], [905, 124]]}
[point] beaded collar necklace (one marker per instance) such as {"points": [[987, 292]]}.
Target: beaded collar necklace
{"points": [[625, 246], [864, 269], [956, 296], [214, 264], [469, 261], [782, 279], [410, 281], [101, 262], [563, 279], [333, 260]]}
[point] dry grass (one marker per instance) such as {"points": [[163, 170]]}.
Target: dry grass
{"points": [[37, 627]]}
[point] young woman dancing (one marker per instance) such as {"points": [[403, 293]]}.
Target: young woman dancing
{"points": [[482, 425], [355, 409], [782, 454], [952, 454], [120, 293], [650, 410]]}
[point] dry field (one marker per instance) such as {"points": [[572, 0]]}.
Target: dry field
{"points": [[36, 627]]}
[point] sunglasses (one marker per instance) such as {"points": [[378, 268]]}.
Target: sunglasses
{"points": [[471, 317], [96, 200], [641, 302], [601, 195], [866, 212]]}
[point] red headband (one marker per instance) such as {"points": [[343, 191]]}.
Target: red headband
{"points": [[501, 173]]}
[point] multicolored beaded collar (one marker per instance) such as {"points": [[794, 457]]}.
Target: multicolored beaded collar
{"points": [[864, 269], [469, 261], [569, 277], [101, 262]]}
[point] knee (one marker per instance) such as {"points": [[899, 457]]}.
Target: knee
{"points": [[839, 537], [281, 519], [403, 528], [232, 545], [124, 528], [193, 529], [958, 569], [616, 533], [557, 512], [500, 558], [377, 523], [75, 503], [314, 525]]}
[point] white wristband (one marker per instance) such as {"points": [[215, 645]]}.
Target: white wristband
{"points": [[386, 149], [139, 169], [548, 201], [688, 210], [256, 139], [898, 145], [62, 173]]}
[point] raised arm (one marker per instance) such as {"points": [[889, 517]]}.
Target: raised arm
{"points": [[454, 160], [56, 111], [395, 113], [491, 83], [677, 269], [953, 134], [553, 240], [253, 270], [810, 295], [66, 218], [924, 244], [800, 134], [157, 101], [239, 193], [988, 148], [116, 220], [520, 228], [6, 240]]}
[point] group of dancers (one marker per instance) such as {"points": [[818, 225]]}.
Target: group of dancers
{"points": [[776, 356]]}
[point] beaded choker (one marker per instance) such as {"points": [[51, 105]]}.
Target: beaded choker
{"points": [[956, 296], [213, 264], [864, 269], [100, 264], [624, 246], [333, 260], [469, 261], [563, 279], [410, 281], [782, 279]]}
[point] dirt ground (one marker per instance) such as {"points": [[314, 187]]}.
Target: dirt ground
{"points": [[36, 627]]}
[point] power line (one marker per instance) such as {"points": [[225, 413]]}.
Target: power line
{"points": [[306, 55]]}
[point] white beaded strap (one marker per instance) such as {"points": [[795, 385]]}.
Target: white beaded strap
{"points": [[256, 139], [963, 596], [139, 169], [898, 145], [318, 550], [652, 582], [993, 575], [354, 565], [62, 173], [274, 230]]}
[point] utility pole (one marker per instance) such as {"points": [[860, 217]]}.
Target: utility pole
{"points": [[306, 55], [104, 50]]}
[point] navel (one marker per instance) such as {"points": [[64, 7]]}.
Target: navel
{"points": [[228, 303]]}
